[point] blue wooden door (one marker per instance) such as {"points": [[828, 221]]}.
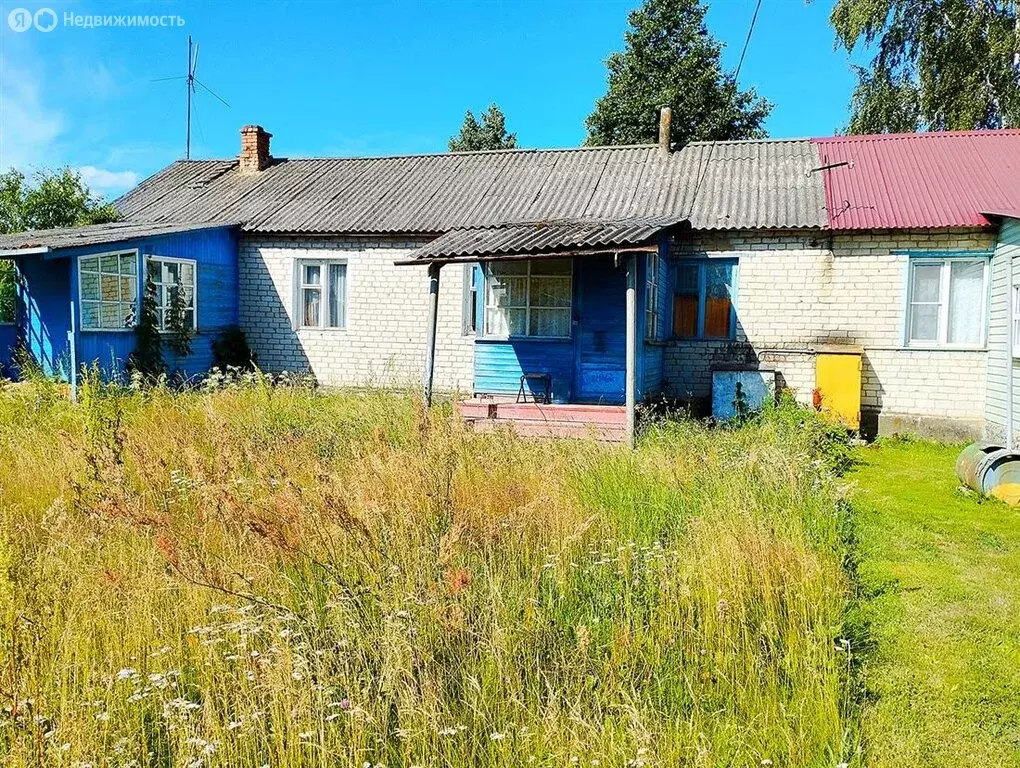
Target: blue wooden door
{"points": [[602, 330]]}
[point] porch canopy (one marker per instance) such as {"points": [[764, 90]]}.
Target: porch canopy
{"points": [[549, 239]]}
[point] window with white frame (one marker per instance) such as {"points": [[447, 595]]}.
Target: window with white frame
{"points": [[1016, 321], [528, 298], [946, 302], [704, 299], [108, 290], [171, 275], [652, 297], [321, 294]]}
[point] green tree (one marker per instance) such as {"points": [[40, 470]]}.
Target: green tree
{"points": [[939, 65], [147, 357], [180, 330], [491, 133], [671, 60], [52, 199]]}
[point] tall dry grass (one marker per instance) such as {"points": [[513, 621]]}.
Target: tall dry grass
{"points": [[278, 576]]}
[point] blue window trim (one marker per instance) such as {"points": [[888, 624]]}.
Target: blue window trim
{"points": [[913, 255], [701, 263]]}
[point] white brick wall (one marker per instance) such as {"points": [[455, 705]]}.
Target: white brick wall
{"points": [[384, 341], [798, 291]]}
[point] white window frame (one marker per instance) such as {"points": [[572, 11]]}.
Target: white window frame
{"points": [[133, 252], [299, 292], [945, 263], [527, 305], [1016, 320], [652, 297], [173, 260]]}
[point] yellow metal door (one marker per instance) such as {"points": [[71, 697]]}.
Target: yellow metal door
{"points": [[838, 379]]}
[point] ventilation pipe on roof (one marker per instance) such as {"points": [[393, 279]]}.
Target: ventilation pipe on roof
{"points": [[255, 155], [665, 123]]}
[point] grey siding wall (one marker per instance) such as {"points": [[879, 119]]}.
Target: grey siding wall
{"points": [[999, 337]]}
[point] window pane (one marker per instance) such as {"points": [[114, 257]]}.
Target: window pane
{"points": [[508, 291], [550, 322], [924, 322], [966, 290], [687, 279], [113, 315], [90, 264], [128, 266], [718, 300], [505, 322], [188, 274], [685, 315], [311, 274], [90, 317], [171, 272], [154, 270], [110, 288], [927, 283], [110, 263], [550, 267], [310, 315], [550, 291], [337, 278], [89, 287], [127, 288]]}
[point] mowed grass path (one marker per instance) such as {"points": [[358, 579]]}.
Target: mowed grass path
{"points": [[941, 573]]}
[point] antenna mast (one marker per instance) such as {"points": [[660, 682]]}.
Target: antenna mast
{"points": [[190, 83]]}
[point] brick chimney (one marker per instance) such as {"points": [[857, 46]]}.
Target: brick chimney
{"points": [[255, 155]]}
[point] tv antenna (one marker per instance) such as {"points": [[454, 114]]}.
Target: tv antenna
{"points": [[190, 82]]}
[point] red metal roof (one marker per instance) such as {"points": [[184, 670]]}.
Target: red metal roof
{"points": [[920, 180]]}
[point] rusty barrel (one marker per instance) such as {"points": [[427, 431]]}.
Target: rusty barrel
{"points": [[986, 468]]}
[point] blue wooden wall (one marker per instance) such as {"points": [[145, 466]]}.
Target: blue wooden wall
{"points": [[8, 337], [51, 282], [44, 312], [591, 366]]}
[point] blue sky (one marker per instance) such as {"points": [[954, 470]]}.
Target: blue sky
{"points": [[361, 78]]}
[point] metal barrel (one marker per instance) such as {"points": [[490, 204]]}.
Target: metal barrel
{"points": [[989, 469], [969, 464]]}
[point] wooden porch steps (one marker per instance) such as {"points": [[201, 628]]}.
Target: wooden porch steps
{"points": [[606, 423]]}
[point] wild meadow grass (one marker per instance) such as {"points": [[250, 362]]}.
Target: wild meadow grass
{"points": [[276, 576]]}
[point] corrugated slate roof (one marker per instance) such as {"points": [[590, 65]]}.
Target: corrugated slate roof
{"points": [[920, 180], [41, 240], [720, 185], [538, 237]]}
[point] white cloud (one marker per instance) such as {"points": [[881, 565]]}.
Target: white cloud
{"points": [[104, 182], [33, 135], [28, 129]]}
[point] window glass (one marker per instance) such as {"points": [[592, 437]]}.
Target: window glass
{"points": [[322, 294], [528, 298], [108, 288], [966, 289], [703, 299], [947, 302], [170, 276], [718, 302]]}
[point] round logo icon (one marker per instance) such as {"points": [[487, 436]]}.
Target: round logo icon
{"points": [[45, 19], [20, 19]]}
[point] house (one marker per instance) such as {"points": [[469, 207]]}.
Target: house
{"points": [[753, 254]]}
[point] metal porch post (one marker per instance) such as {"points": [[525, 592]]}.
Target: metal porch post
{"points": [[631, 385], [430, 334]]}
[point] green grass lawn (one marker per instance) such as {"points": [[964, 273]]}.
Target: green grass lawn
{"points": [[940, 571]]}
